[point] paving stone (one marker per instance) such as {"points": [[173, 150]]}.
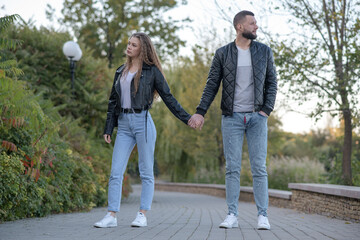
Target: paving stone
{"points": [[181, 216]]}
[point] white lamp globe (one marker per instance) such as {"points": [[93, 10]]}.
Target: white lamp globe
{"points": [[72, 50], [78, 54]]}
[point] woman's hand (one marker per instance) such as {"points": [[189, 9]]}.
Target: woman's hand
{"points": [[196, 121], [107, 138]]}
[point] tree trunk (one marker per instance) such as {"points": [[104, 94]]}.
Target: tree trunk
{"points": [[110, 56], [347, 148]]}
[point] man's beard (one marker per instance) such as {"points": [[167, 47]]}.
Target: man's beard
{"points": [[249, 35]]}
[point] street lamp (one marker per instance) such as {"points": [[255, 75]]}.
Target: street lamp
{"points": [[73, 53]]}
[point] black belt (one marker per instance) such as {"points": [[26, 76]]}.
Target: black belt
{"points": [[130, 110]]}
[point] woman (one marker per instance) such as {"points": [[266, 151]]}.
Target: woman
{"points": [[136, 83]]}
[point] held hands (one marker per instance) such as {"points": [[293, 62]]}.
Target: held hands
{"points": [[196, 121]]}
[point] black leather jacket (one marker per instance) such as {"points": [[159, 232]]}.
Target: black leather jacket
{"points": [[151, 79], [223, 68]]}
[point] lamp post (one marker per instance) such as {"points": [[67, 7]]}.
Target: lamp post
{"points": [[73, 53]]}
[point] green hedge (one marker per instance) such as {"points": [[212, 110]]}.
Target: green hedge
{"points": [[39, 172], [53, 157]]}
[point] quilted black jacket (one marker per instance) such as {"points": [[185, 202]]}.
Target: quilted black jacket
{"points": [[151, 79], [223, 68]]}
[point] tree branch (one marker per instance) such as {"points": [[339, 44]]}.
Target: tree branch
{"points": [[343, 24], [327, 23], [37, 140], [336, 25], [323, 88], [330, 110], [224, 15], [314, 22], [322, 78]]}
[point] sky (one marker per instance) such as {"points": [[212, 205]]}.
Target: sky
{"points": [[206, 17]]}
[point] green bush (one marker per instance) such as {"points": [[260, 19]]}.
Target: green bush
{"points": [[51, 137], [40, 173], [284, 170], [12, 185], [334, 173]]}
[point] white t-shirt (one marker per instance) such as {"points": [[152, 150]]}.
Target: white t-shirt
{"points": [[244, 86], [125, 83]]}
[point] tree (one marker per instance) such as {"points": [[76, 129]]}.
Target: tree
{"points": [[8, 65], [105, 25], [46, 70], [322, 62], [39, 171]]}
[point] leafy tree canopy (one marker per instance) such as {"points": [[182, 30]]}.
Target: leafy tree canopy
{"points": [[105, 26], [321, 60]]}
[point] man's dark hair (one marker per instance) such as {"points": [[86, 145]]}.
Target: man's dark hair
{"points": [[240, 16]]}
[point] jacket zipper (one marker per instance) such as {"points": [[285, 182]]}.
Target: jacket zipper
{"points": [[233, 98]]}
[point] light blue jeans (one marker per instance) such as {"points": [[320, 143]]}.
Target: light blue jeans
{"points": [[131, 131], [234, 127]]}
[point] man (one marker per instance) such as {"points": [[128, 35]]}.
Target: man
{"points": [[246, 69]]}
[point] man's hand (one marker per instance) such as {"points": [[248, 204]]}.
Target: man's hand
{"points": [[107, 138], [264, 114], [196, 121]]}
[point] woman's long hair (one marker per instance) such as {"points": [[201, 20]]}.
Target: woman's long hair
{"points": [[147, 55]]}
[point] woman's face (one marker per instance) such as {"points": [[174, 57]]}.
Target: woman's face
{"points": [[133, 47]]}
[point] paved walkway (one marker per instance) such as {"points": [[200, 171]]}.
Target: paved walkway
{"points": [[180, 216]]}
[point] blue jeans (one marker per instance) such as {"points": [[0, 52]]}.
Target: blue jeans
{"points": [[131, 131], [234, 127]]}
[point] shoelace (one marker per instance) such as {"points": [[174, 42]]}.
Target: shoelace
{"points": [[227, 219]]}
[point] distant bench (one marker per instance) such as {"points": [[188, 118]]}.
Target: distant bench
{"points": [[277, 198], [327, 199], [337, 201]]}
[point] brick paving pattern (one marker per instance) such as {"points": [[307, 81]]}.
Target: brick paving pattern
{"points": [[181, 216]]}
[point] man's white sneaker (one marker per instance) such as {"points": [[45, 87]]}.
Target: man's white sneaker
{"points": [[140, 220], [229, 222], [263, 223], [107, 221]]}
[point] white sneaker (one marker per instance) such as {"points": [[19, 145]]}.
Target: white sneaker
{"points": [[140, 220], [263, 223], [107, 221], [229, 222]]}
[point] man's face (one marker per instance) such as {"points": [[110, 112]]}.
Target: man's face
{"points": [[249, 27]]}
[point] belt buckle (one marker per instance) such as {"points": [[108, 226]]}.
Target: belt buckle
{"points": [[126, 110]]}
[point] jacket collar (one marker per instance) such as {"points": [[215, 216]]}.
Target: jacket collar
{"points": [[234, 48], [146, 66], [119, 70]]}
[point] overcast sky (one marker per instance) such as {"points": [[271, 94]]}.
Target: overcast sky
{"points": [[205, 16]]}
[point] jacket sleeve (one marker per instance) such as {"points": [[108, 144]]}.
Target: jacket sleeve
{"points": [[111, 118], [212, 84], [163, 89], [270, 85]]}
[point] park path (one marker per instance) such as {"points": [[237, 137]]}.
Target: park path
{"points": [[181, 216]]}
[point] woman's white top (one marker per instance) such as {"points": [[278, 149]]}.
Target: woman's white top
{"points": [[125, 83]]}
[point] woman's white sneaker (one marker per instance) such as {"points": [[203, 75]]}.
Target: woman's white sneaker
{"points": [[106, 222], [229, 222], [140, 220], [263, 223]]}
